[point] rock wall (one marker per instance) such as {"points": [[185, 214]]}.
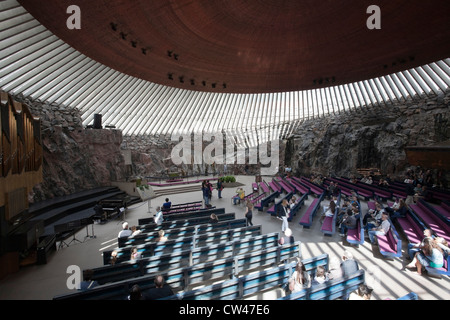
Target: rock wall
{"points": [[372, 137], [75, 158]]}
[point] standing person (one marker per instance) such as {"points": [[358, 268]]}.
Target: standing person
{"points": [[219, 188], [210, 188], [205, 193], [249, 213], [283, 214]]}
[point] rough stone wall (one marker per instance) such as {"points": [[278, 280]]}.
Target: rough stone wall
{"points": [[372, 137], [74, 158]]}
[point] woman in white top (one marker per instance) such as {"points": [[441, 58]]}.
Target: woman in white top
{"points": [[300, 279]]}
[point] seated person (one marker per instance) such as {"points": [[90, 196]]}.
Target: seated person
{"points": [[398, 209], [166, 205], [240, 195], [363, 293], [126, 232], [88, 283], [161, 289]]}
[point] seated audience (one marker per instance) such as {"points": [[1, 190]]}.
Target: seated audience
{"points": [[363, 293], [287, 238], [135, 254], [160, 290], [349, 265], [166, 205], [161, 236], [135, 231], [382, 230], [159, 218], [349, 221], [431, 255], [321, 276], [239, 196], [335, 271], [398, 209], [300, 278], [136, 293], [413, 248], [126, 232], [88, 283]]}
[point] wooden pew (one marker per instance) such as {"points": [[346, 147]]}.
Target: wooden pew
{"points": [[182, 278], [307, 218], [248, 285]]}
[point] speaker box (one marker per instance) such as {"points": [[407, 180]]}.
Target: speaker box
{"points": [[97, 121]]}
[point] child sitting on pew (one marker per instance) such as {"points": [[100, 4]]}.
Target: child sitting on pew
{"points": [[321, 276]]}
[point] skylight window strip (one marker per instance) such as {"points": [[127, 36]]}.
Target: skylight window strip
{"points": [[437, 80], [166, 118], [376, 92], [434, 87], [419, 80], [388, 89], [133, 104], [14, 22], [384, 95], [444, 77], [114, 98], [406, 85], [153, 102], [138, 126], [337, 105], [211, 116], [48, 71], [392, 85], [317, 105], [179, 116], [26, 64], [158, 110], [84, 79], [9, 36], [355, 93], [35, 69], [65, 79], [58, 78], [400, 86], [348, 98], [413, 83], [106, 88]]}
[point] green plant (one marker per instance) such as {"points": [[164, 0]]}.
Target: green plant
{"points": [[228, 179]]}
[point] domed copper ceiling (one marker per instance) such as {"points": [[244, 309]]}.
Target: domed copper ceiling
{"points": [[252, 46]]}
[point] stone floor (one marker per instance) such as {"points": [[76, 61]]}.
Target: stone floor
{"points": [[43, 282]]}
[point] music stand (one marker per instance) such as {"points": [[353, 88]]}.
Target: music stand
{"points": [[87, 222], [74, 226]]}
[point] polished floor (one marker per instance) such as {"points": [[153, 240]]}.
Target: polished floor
{"points": [[43, 282]]}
